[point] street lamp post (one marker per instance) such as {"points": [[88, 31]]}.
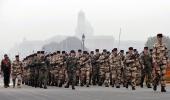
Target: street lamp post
{"points": [[83, 39]]}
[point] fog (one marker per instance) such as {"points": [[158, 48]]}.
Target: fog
{"points": [[43, 19]]}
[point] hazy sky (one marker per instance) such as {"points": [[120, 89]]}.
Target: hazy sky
{"points": [[42, 19]]}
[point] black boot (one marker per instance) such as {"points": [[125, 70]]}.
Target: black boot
{"points": [[149, 86], [141, 85], [163, 89], [117, 86], [73, 88], [133, 88], [155, 87]]}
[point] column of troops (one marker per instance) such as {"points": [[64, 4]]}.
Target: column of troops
{"points": [[83, 68]]}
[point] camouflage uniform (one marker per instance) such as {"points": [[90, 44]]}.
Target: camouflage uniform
{"points": [[62, 69], [78, 56], [130, 70], [160, 57], [121, 54], [146, 61], [17, 70], [95, 67], [71, 70], [139, 68], [85, 69], [104, 69], [55, 71], [115, 69]]}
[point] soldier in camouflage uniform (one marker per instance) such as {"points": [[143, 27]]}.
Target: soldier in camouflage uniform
{"points": [[138, 66], [95, 67], [130, 69], [121, 54], [17, 71], [78, 56], [146, 61], [43, 73], [115, 68], [160, 57], [104, 69], [51, 76], [55, 71], [71, 69], [85, 69], [62, 68]]}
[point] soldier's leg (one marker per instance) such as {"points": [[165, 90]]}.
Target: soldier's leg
{"points": [[113, 73], [148, 79], [133, 79], [14, 80], [107, 77], [77, 76], [73, 78], [68, 80], [163, 82], [19, 81], [118, 78], [82, 77], [87, 77], [156, 78], [143, 74], [45, 79]]}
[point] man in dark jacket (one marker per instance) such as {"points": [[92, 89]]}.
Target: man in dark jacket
{"points": [[6, 70]]}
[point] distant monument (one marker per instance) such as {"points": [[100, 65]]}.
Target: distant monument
{"points": [[83, 26]]}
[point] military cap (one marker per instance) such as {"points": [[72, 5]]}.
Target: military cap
{"points": [[38, 52], [72, 51], [58, 52], [159, 35], [42, 52], [54, 53], [79, 50], [115, 49], [104, 50], [63, 52], [92, 52], [16, 55], [84, 52], [122, 51], [146, 48], [108, 52], [127, 52], [35, 54], [97, 50], [130, 48], [134, 50]]}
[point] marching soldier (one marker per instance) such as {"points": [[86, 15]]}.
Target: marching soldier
{"points": [[85, 69], [43, 73], [104, 69], [17, 71], [78, 56], [95, 67], [121, 54], [115, 68], [160, 57], [146, 61], [130, 69], [138, 66], [71, 69], [62, 66]]}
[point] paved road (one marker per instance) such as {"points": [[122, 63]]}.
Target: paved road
{"points": [[81, 93]]}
